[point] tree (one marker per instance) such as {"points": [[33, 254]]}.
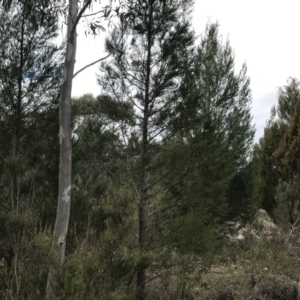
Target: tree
{"points": [[29, 65], [64, 190], [286, 164], [148, 61], [267, 178], [276, 127], [65, 165], [288, 97], [30, 69], [287, 155], [286, 211], [199, 192], [44, 10], [217, 107], [102, 219], [38, 16]]}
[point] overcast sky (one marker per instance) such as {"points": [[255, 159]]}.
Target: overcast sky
{"points": [[263, 33]]}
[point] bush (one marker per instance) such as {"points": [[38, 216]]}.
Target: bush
{"points": [[287, 199]]}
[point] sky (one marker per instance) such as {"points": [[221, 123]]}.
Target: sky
{"points": [[264, 34]]}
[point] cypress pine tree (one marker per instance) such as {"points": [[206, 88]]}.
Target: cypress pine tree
{"points": [[149, 53], [287, 155], [30, 70], [217, 100], [267, 152], [286, 164]]}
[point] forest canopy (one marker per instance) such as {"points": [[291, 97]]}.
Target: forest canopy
{"points": [[131, 193]]}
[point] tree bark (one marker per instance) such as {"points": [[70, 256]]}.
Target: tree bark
{"points": [[65, 166], [141, 271]]}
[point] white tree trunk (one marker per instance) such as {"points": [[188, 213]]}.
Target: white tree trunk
{"points": [[65, 166]]}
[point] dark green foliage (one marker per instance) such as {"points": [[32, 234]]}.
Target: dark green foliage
{"points": [[288, 96], [215, 93], [30, 71], [101, 253], [148, 62], [195, 200], [215, 116], [286, 163], [268, 177], [242, 194], [98, 162], [171, 134], [287, 199], [287, 155], [269, 151], [194, 233], [201, 170]]}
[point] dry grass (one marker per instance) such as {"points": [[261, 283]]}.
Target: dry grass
{"points": [[259, 267], [262, 265]]}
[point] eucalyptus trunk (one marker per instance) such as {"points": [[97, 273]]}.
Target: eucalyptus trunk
{"points": [[65, 166]]}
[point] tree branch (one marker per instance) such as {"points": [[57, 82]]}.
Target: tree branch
{"points": [[93, 14], [163, 207], [85, 6], [91, 64]]}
